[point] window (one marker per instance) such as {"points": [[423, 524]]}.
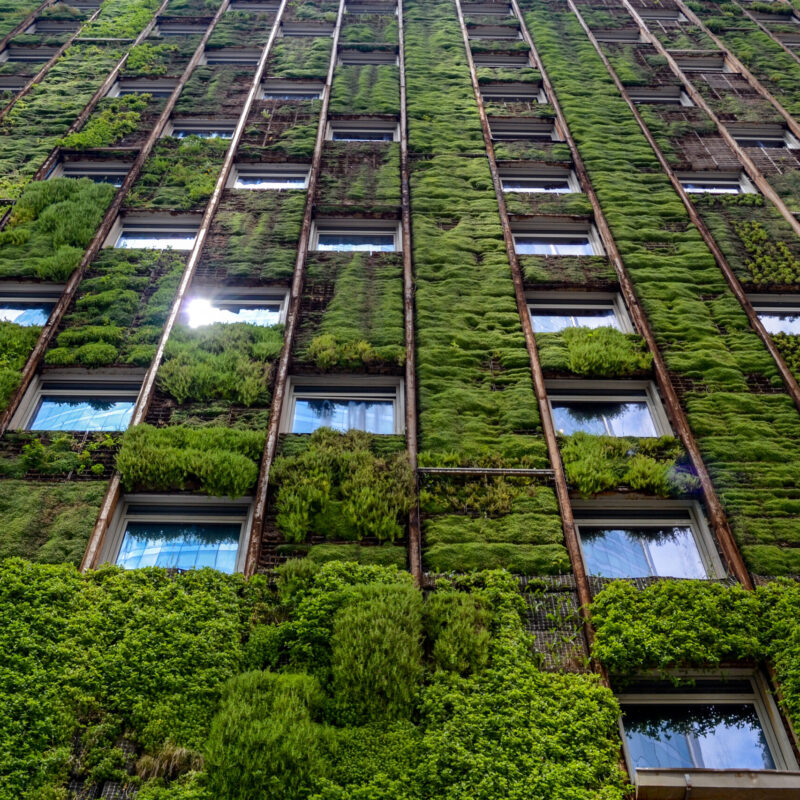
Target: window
{"points": [[502, 60], [181, 127], [714, 62], [28, 304], [718, 724], [486, 9], [362, 130], [667, 539], [154, 232], [508, 129], [589, 310], [513, 93], [358, 403], [366, 57], [619, 35], [112, 172], [764, 136], [766, 16], [306, 29], [12, 83], [544, 180], [179, 28], [778, 313], [495, 32], [370, 7], [247, 56], [54, 26], [791, 40], [253, 306], [291, 90], [157, 88], [715, 183], [607, 408], [178, 532], [27, 55], [661, 14], [551, 238], [355, 235], [79, 400], [668, 95], [253, 5], [269, 176]]}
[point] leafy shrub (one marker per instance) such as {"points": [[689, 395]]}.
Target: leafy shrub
{"points": [[114, 118], [16, 343], [220, 362], [263, 742], [457, 624], [214, 460], [376, 654], [594, 352], [336, 487]]}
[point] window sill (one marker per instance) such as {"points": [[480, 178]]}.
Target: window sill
{"points": [[710, 784]]}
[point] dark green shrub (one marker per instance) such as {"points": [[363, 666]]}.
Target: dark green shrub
{"points": [[338, 488], [213, 460], [458, 626], [114, 118], [376, 654], [220, 362], [264, 742], [594, 352], [16, 343]]}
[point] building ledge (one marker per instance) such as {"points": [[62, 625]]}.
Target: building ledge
{"points": [[711, 784]]}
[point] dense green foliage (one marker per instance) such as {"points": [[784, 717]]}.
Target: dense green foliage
{"points": [[212, 460], [113, 118], [674, 624], [51, 226], [747, 438], [594, 353], [369, 691], [16, 343], [338, 488]]}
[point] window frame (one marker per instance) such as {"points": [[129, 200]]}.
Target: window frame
{"points": [[660, 95], [487, 9], [269, 171], [235, 56], [542, 173], [692, 62], [659, 14], [294, 91], [345, 387], [585, 300], [515, 60], [765, 706], [254, 6], [112, 542], [356, 227], [509, 129], [376, 7], [165, 223], [309, 28], [158, 87], [558, 228], [30, 54], [513, 92], [619, 36], [23, 292], [219, 297], [764, 132], [640, 513], [202, 124], [720, 178], [351, 57], [175, 26], [111, 168], [364, 124], [615, 391], [13, 83], [494, 33], [96, 383], [775, 304]]}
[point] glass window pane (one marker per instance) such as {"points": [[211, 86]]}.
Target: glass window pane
{"points": [[712, 188], [610, 419], [554, 246], [201, 312], [555, 320], [641, 552], [373, 416], [243, 182], [702, 735], [182, 133], [177, 545], [25, 314], [554, 185], [376, 242], [291, 96], [156, 241], [62, 414], [781, 323], [363, 136]]}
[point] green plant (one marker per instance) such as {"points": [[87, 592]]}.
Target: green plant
{"points": [[16, 342], [458, 626], [338, 488], [114, 118], [213, 460]]}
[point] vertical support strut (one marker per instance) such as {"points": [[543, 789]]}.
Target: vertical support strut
{"points": [[562, 491], [677, 416], [789, 380], [412, 444], [292, 318]]}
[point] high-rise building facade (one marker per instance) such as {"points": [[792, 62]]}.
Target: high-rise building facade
{"points": [[399, 399]]}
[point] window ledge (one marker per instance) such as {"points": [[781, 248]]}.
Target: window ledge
{"points": [[708, 784]]}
